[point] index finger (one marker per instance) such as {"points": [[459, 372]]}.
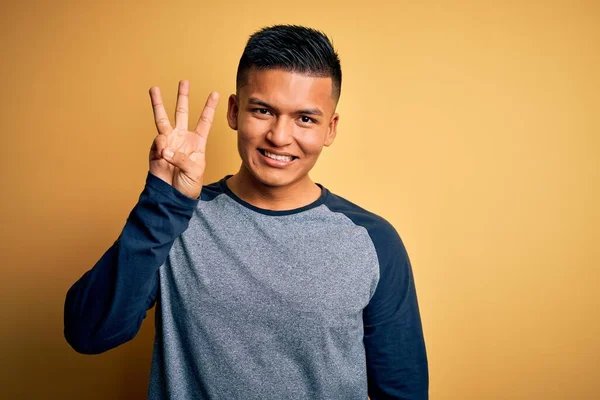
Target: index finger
{"points": [[161, 119], [208, 115]]}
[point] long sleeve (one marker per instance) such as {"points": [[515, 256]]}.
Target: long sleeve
{"points": [[107, 305], [397, 365]]}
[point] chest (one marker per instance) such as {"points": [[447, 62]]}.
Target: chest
{"points": [[311, 267]]}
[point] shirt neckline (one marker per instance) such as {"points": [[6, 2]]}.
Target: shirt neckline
{"points": [[314, 204]]}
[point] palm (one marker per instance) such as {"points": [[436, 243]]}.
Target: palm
{"points": [[188, 144]]}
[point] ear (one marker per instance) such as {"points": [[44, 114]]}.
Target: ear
{"points": [[332, 130], [232, 112]]}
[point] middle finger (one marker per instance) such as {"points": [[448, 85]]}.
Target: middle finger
{"points": [[182, 107]]}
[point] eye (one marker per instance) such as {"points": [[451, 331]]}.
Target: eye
{"points": [[307, 120], [262, 111]]}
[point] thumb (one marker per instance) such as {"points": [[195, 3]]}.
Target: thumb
{"points": [[180, 160]]}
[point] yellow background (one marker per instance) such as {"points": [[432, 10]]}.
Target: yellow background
{"points": [[472, 126]]}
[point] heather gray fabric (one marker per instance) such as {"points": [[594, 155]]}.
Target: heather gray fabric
{"points": [[259, 306]]}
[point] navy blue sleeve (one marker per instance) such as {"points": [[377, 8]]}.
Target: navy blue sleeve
{"points": [[397, 365], [107, 305]]}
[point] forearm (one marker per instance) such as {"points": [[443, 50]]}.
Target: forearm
{"points": [[107, 305]]}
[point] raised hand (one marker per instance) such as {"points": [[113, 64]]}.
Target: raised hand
{"points": [[177, 155]]}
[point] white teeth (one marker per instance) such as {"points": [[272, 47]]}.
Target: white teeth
{"points": [[278, 157]]}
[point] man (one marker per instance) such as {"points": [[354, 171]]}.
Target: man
{"points": [[267, 285]]}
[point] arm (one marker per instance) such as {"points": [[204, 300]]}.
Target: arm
{"points": [[397, 365], [107, 305]]}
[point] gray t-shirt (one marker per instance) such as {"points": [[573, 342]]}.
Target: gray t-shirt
{"points": [[313, 303]]}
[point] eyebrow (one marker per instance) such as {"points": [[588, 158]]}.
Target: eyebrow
{"points": [[309, 111]]}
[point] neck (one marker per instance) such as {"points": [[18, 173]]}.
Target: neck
{"points": [[251, 190]]}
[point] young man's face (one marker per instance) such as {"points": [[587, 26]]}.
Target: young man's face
{"points": [[283, 121]]}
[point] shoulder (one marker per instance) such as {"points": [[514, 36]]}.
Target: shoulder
{"points": [[379, 228], [211, 190]]}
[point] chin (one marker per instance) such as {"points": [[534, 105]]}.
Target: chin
{"points": [[276, 179]]}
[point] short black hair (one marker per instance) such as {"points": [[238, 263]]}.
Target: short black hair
{"points": [[292, 48]]}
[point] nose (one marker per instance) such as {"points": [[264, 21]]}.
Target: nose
{"points": [[281, 132]]}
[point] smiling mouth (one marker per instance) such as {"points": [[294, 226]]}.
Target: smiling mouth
{"points": [[276, 157]]}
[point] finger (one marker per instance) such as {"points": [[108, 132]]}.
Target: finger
{"points": [[159, 143], [181, 161], [160, 115], [208, 115], [182, 107]]}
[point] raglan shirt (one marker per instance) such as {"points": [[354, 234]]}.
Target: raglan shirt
{"points": [[318, 302]]}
